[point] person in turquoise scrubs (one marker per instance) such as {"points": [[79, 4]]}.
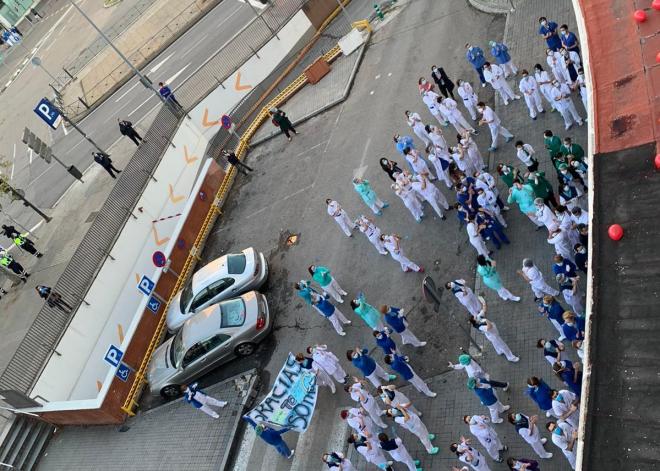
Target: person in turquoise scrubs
{"points": [[369, 196], [486, 269], [369, 314], [523, 196]]}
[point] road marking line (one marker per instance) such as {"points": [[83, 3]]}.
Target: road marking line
{"points": [[13, 160], [38, 177], [140, 105], [359, 172], [127, 91], [66, 133], [30, 154], [334, 126], [160, 64], [185, 53], [71, 149], [173, 77]]}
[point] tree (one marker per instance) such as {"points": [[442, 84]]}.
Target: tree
{"points": [[15, 193]]}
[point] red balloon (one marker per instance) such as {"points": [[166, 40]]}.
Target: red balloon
{"points": [[615, 232], [640, 16], [656, 5], [657, 161]]}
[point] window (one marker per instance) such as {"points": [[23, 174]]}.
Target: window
{"points": [[200, 349], [186, 296], [201, 298], [217, 288], [215, 341], [235, 264], [177, 349], [233, 313]]}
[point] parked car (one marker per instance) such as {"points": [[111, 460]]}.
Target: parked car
{"points": [[208, 339], [225, 277]]}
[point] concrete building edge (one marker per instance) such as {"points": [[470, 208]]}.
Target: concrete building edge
{"points": [[486, 8], [332, 104]]}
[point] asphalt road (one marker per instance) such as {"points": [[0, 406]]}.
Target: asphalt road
{"points": [[45, 183]]}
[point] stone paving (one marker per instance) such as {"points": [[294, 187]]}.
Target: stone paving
{"points": [[519, 324]]}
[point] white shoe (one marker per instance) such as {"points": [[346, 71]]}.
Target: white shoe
{"points": [[433, 394], [544, 440], [516, 299], [342, 333], [505, 208], [548, 456], [515, 360], [506, 408], [422, 344], [548, 414], [517, 97], [506, 103], [348, 322], [498, 421]]}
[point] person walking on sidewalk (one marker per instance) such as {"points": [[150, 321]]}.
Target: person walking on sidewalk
{"points": [[400, 364], [105, 161], [24, 243], [470, 99], [167, 93], [372, 232], [398, 451], [340, 216], [489, 117], [7, 261], [482, 429], [197, 398], [369, 196], [486, 269], [444, 83], [483, 388], [327, 282], [54, 299], [337, 461], [272, 437], [371, 370], [393, 245], [540, 393], [328, 361], [530, 89], [465, 296], [360, 394], [495, 76], [532, 275], [396, 319], [411, 422], [281, 120], [126, 129], [529, 431], [501, 54], [475, 56], [236, 162], [321, 302]]}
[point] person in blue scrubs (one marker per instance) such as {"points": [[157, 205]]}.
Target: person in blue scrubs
{"points": [[475, 56], [568, 39], [548, 29]]}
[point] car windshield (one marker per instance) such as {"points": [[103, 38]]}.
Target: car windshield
{"points": [[236, 264], [177, 349], [186, 296], [233, 313]]}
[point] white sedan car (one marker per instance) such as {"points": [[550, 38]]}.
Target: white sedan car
{"points": [[225, 277]]}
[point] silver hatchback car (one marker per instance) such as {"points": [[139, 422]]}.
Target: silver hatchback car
{"points": [[224, 278], [207, 339]]}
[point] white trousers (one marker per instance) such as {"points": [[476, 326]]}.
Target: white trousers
{"points": [[506, 294], [414, 205], [420, 385], [509, 68], [338, 374], [402, 456], [570, 456], [337, 319], [501, 348], [569, 113], [460, 123], [558, 327], [443, 174], [406, 263], [535, 442], [418, 428], [533, 103], [376, 206], [574, 300], [476, 158], [506, 93], [440, 117], [495, 131], [407, 337], [374, 411], [492, 444], [334, 290], [471, 107], [374, 456], [209, 401], [479, 244], [378, 374], [423, 135], [495, 410], [540, 286], [345, 223], [376, 242]]}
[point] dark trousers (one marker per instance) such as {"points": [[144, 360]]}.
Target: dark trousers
{"points": [[286, 129], [480, 71], [110, 168], [240, 166], [29, 247], [446, 91], [55, 300], [534, 167], [134, 136], [497, 384], [551, 199], [19, 270]]}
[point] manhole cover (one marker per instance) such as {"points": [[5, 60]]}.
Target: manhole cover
{"points": [[292, 240]]}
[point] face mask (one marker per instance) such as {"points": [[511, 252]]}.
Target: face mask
{"points": [[470, 48], [525, 76], [564, 33], [563, 53], [423, 82], [550, 53], [544, 23], [564, 172], [557, 431], [355, 355], [435, 69], [582, 250]]}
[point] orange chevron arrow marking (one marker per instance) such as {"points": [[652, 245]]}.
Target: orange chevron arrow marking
{"points": [[238, 87], [189, 159], [174, 199], [120, 333], [158, 241], [205, 120]]}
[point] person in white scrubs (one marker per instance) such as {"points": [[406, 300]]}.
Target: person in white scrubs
{"points": [[480, 426], [409, 197], [532, 275], [393, 245], [328, 361], [529, 88], [411, 422], [545, 84], [489, 117], [529, 431], [474, 235], [495, 76], [465, 296], [427, 191], [449, 108], [372, 232], [340, 216], [470, 98], [415, 122], [360, 394]]}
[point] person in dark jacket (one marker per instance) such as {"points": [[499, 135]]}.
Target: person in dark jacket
{"points": [[444, 83], [390, 167], [7, 261], [236, 162], [105, 161], [10, 231], [126, 129], [280, 119], [167, 93], [53, 298], [271, 436]]}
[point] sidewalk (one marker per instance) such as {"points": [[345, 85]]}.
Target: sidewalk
{"points": [[518, 323], [172, 436]]}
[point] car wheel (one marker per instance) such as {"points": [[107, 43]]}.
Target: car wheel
{"points": [[170, 392], [245, 349]]}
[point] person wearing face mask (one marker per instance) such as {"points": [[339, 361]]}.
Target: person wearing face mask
{"points": [[508, 174], [441, 159], [337, 213], [569, 40], [570, 62], [555, 62], [369, 196], [495, 76], [530, 90], [581, 84], [392, 243], [545, 215], [527, 428], [475, 56], [449, 109], [465, 296], [523, 196], [561, 94], [482, 429], [532, 275], [545, 84], [489, 329], [501, 54], [424, 85], [372, 232], [417, 163], [569, 176], [337, 461], [470, 99], [430, 99], [427, 191], [489, 117], [404, 191], [360, 394], [581, 257], [568, 147], [548, 29], [445, 85], [525, 154], [371, 370], [415, 122], [562, 243], [411, 422], [565, 437]]}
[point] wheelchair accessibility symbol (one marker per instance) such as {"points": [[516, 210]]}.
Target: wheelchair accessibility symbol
{"points": [[123, 372]]}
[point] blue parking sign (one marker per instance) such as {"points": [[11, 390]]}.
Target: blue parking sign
{"points": [[153, 304], [49, 113], [146, 285], [123, 372], [113, 355]]}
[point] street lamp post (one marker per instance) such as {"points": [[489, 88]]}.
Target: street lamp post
{"points": [[36, 61]]}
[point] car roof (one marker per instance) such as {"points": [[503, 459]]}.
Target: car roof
{"points": [[202, 325], [213, 271]]}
